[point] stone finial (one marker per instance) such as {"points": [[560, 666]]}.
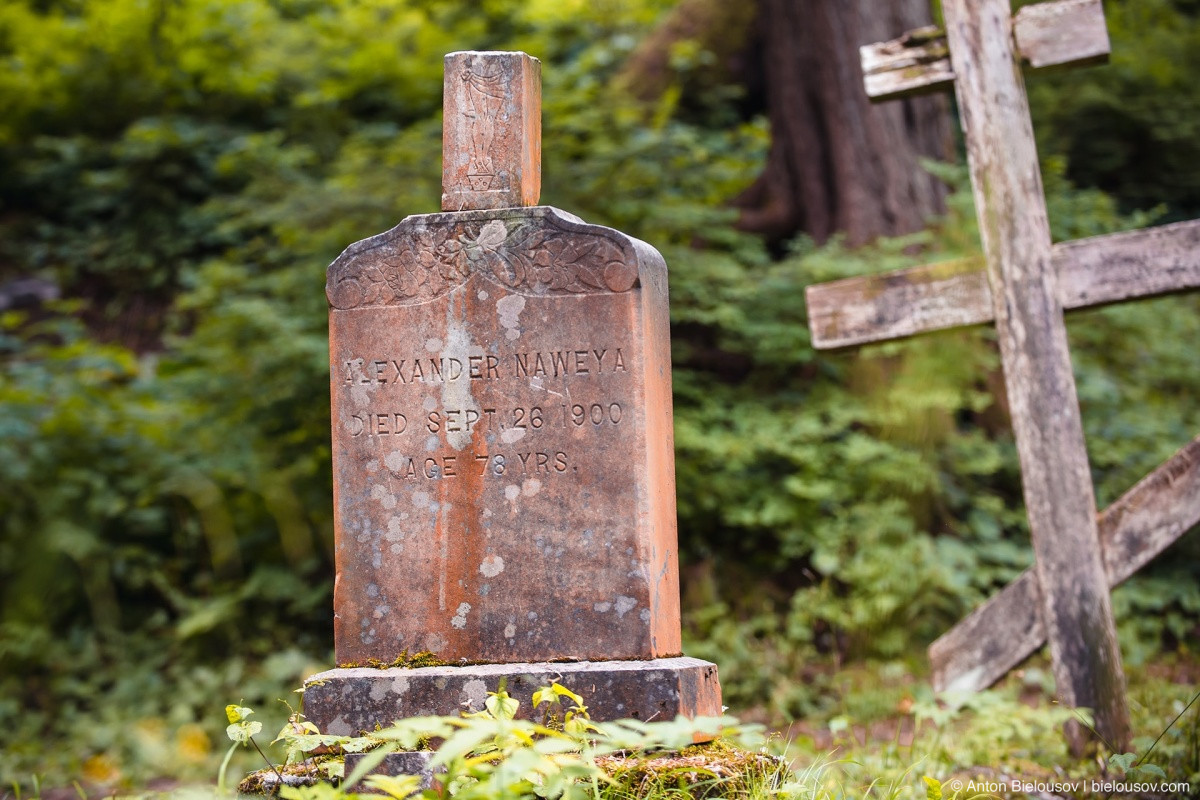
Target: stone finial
{"points": [[492, 131]]}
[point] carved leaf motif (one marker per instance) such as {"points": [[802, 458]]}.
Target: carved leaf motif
{"points": [[572, 264], [509, 270], [492, 236], [528, 238], [580, 252], [593, 277], [376, 294], [451, 258], [527, 255]]}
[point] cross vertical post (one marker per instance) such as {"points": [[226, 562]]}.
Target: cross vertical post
{"points": [[1055, 475]]}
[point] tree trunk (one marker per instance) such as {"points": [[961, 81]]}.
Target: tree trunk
{"points": [[719, 27], [837, 162]]}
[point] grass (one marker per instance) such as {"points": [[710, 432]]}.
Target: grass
{"points": [[882, 736], [884, 741]]}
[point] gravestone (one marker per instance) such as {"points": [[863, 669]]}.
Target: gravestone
{"points": [[502, 445], [1024, 283]]}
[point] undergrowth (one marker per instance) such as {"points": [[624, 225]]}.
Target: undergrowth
{"points": [[888, 737], [491, 753], [956, 742], [957, 746]]}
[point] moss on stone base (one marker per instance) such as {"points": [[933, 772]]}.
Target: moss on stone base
{"points": [[404, 660], [307, 773], [709, 770]]}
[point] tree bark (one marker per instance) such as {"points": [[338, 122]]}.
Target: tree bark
{"points": [[837, 162], [719, 27]]}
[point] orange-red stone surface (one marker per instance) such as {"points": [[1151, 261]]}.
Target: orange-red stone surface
{"points": [[502, 442], [492, 131]]}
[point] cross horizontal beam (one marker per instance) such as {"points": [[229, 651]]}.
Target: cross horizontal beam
{"points": [[1091, 272], [1058, 33], [1008, 628]]}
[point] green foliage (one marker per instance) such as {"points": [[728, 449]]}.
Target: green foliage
{"points": [[1132, 127], [999, 722], [1175, 751], [492, 755], [241, 730], [1011, 732], [1126, 764]]}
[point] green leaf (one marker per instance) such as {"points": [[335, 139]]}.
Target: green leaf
{"points": [[1148, 770], [396, 787], [242, 732], [295, 728], [464, 742], [236, 713], [1121, 761], [501, 706], [562, 691], [578, 725]]}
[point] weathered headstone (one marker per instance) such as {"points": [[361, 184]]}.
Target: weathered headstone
{"points": [[502, 444], [1023, 285]]}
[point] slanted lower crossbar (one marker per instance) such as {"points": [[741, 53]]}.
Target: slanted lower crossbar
{"points": [[1006, 630]]}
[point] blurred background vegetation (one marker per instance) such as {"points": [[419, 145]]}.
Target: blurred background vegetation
{"points": [[176, 174]]}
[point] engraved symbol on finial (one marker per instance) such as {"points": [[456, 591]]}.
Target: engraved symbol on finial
{"points": [[485, 96]]}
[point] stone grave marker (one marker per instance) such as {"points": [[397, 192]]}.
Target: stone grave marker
{"points": [[1023, 285], [502, 444]]}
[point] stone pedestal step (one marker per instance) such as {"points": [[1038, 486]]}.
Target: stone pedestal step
{"points": [[348, 702]]}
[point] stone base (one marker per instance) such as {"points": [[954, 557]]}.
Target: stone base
{"points": [[349, 702]]}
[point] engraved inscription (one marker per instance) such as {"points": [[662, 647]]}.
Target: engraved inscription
{"points": [[420, 370], [407, 408], [549, 364], [389, 424], [452, 420], [568, 362], [522, 463], [501, 443], [415, 264]]}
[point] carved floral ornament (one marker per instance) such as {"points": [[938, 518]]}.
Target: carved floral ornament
{"points": [[420, 264]]}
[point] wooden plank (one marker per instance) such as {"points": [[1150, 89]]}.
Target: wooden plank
{"points": [[901, 303], [1008, 628], [1059, 33], [1055, 475], [1120, 266], [1158, 510], [916, 63], [1062, 32], [1091, 272], [991, 640]]}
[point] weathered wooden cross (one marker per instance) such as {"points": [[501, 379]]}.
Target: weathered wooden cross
{"points": [[1026, 285]]}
